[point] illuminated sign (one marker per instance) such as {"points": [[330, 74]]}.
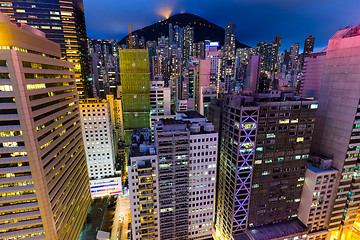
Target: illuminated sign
{"points": [[213, 44], [105, 187]]}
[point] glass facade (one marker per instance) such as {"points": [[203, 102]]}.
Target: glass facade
{"points": [[135, 84], [64, 23]]}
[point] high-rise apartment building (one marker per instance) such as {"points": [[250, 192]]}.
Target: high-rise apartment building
{"points": [[337, 126], [214, 55], [135, 87], [309, 46], [45, 189], [172, 181], [188, 42], [104, 66], [275, 54], [160, 105], [228, 57], [264, 151], [98, 137], [64, 23], [294, 57]]}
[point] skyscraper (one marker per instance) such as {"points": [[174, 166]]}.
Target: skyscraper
{"points": [[337, 126], [135, 84], [64, 23], [45, 185], [264, 149]]}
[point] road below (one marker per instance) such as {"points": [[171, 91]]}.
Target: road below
{"points": [[121, 219]]}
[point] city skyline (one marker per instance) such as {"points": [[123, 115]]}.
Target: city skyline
{"points": [[110, 19]]}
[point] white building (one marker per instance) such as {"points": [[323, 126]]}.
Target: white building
{"points": [[97, 136], [172, 182], [160, 102], [316, 198], [202, 173]]}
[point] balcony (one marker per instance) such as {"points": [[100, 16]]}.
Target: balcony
{"points": [[145, 187], [146, 193]]}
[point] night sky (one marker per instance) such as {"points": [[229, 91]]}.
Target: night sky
{"points": [[255, 20]]}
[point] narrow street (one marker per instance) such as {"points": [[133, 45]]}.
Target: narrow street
{"points": [[121, 219]]}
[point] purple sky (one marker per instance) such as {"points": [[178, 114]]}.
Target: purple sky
{"points": [[255, 20]]}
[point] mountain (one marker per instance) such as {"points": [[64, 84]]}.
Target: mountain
{"points": [[203, 29]]}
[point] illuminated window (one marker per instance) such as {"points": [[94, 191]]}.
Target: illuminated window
{"points": [[300, 139], [284, 121], [6, 88], [20, 10], [313, 106], [270, 135]]}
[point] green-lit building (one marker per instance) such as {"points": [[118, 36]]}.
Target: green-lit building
{"points": [[135, 84]]}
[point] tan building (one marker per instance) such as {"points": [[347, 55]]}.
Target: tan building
{"points": [[45, 191]]}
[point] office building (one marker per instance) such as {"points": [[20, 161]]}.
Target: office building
{"points": [[98, 137], [135, 87], [337, 126], [172, 181], [45, 185], [265, 148], [64, 23]]}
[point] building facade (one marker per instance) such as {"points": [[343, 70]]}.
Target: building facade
{"points": [[337, 126], [265, 144], [135, 90], [45, 186], [98, 137], [172, 181]]}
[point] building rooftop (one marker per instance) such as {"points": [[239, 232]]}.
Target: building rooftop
{"points": [[192, 114], [26, 37], [170, 121], [311, 167], [278, 230], [141, 143]]}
